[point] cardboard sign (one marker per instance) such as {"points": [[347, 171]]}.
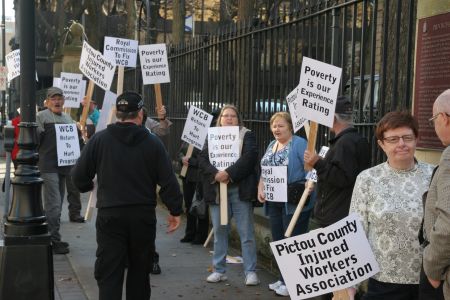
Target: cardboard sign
{"points": [[13, 64], [294, 104], [274, 179], [325, 260], [67, 145], [122, 51], [223, 146], [317, 91], [3, 78], [57, 82], [154, 65], [72, 86], [196, 127], [108, 104], [96, 67]]}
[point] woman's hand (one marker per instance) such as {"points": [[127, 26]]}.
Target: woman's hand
{"points": [[222, 176], [185, 161]]}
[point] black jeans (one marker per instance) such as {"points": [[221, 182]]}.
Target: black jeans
{"points": [[124, 232], [196, 228], [378, 290], [73, 197]]}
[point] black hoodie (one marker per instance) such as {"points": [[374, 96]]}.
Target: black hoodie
{"points": [[129, 163]]}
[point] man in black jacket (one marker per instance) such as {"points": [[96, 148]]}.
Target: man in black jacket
{"points": [[129, 163], [347, 157]]}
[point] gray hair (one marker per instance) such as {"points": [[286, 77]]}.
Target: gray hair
{"points": [[443, 102], [123, 116], [344, 118]]}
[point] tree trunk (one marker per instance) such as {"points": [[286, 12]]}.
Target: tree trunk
{"points": [[130, 7], [245, 9], [179, 13]]}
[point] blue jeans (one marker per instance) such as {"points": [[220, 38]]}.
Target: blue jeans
{"points": [[279, 222], [243, 211]]}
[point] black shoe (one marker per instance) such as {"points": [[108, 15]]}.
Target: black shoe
{"points": [[76, 219], [59, 247], [186, 239], [156, 269]]}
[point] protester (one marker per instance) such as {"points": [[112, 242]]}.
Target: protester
{"points": [[53, 176], [388, 198], [196, 228], [347, 157], [129, 163], [286, 150], [161, 127], [241, 179], [435, 277]]}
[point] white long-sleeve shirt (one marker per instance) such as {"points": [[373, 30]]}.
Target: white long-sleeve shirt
{"points": [[389, 203]]}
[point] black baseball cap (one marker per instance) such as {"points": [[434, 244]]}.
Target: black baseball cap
{"points": [[129, 102], [343, 106], [52, 91]]}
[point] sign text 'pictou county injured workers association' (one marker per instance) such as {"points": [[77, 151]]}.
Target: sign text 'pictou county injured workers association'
{"points": [[325, 260]]}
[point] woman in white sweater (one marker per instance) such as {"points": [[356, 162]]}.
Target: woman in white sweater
{"points": [[388, 198]]}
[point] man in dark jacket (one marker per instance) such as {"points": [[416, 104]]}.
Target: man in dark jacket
{"points": [[347, 157], [129, 163]]}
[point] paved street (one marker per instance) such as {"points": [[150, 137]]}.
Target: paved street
{"points": [[184, 266]]}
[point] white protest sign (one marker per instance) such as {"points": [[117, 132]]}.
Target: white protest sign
{"points": [[56, 82], [294, 103], [274, 179], [108, 103], [72, 86], [67, 145], [96, 67], [196, 127], [325, 260], [122, 51], [312, 175], [3, 78], [317, 91], [223, 146], [13, 64], [154, 65]]}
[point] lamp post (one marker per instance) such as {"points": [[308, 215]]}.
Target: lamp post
{"points": [[27, 247], [4, 61]]}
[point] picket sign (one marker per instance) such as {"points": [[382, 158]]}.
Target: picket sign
{"points": [[159, 102], [309, 185], [188, 155], [223, 203], [209, 238]]}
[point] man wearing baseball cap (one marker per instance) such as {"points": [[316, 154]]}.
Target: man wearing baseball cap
{"points": [[129, 163], [53, 175]]}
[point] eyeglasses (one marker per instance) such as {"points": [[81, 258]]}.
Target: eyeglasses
{"points": [[431, 120], [395, 139], [229, 116]]}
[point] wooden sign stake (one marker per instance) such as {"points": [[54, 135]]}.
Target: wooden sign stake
{"points": [[184, 169]]}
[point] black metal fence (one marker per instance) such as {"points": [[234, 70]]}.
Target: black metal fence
{"points": [[255, 64]]}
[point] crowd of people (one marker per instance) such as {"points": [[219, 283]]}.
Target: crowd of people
{"points": [[396, 200]]}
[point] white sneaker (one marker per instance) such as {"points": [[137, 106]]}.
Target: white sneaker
{"points": [[275, 285], [251, 279], [282, 291], [216, 277]]}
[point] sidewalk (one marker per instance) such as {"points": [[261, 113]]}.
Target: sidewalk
{"points": [[184, 266]]}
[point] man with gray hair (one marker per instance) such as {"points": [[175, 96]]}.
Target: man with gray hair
{"points": [[436, 226], [347, 157], [53, 175]]}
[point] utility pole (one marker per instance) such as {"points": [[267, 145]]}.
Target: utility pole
{"points": [[27, 249], [4, 62]]}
